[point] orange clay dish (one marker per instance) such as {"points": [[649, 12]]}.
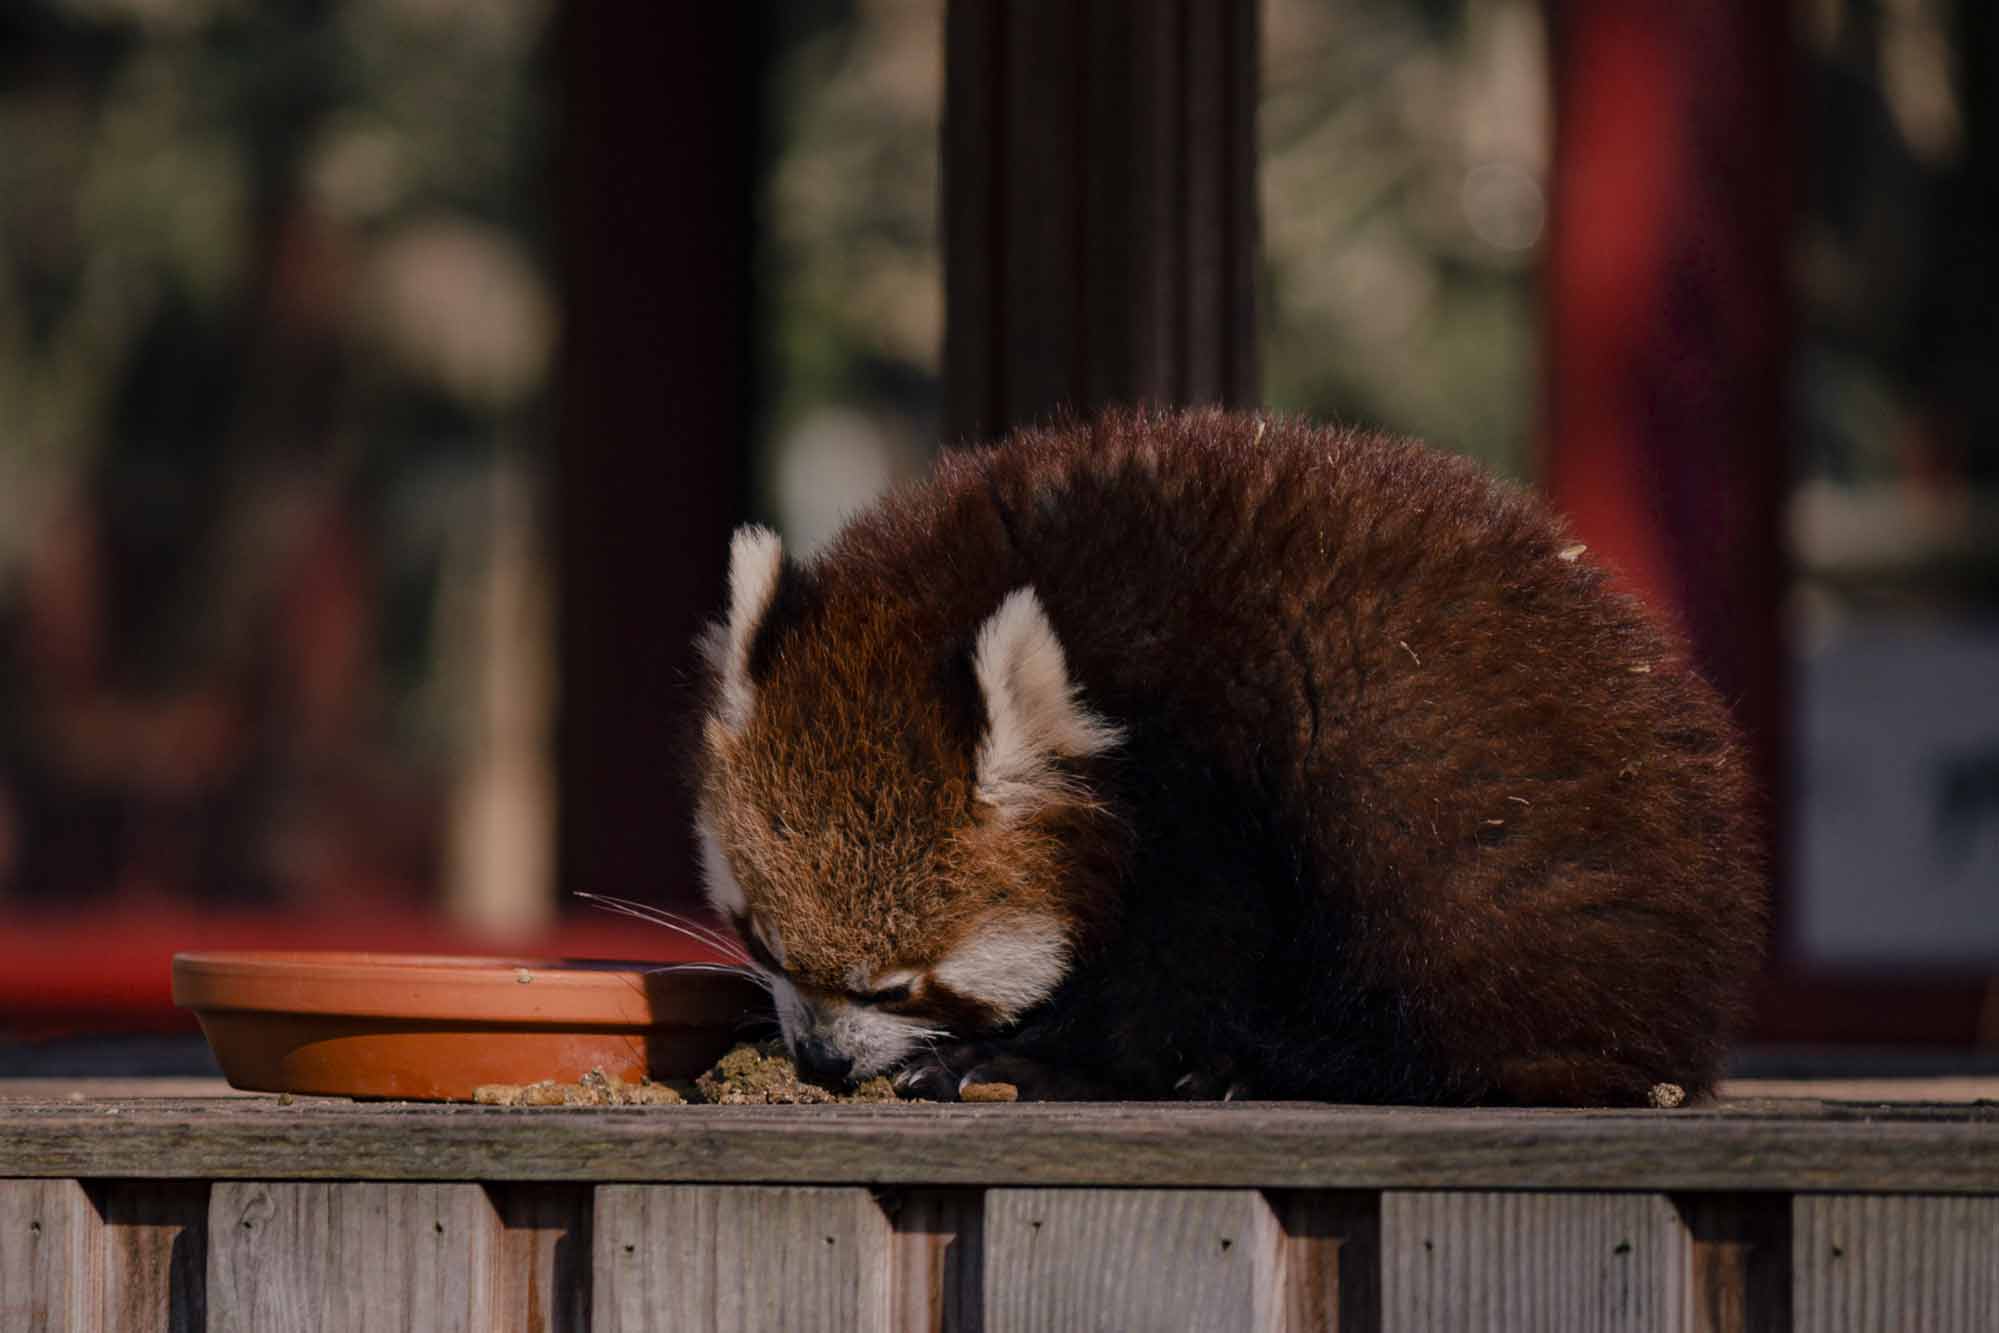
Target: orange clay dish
{"points": [[424, 1028]]}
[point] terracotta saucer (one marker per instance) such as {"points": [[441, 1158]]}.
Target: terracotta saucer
{"points": [[425, 1028]]}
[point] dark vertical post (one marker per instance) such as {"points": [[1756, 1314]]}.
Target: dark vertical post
{"points": [[1670, 325], [1099, 207], [659, 131]]}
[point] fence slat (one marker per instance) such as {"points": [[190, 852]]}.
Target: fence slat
{"points": [[359, 1256], [1131, 1259], [1332, 1260], [1742, 1261], [937, 1281], [1478, 1260], [739, 1257], [51, 1270], [543, 1282], [1895, 1261], [155, 1255]]}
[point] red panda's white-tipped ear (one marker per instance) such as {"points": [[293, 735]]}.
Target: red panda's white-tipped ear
{"points": [[756, 559], [1033, 714]]}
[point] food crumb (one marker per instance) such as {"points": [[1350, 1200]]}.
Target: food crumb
{"points": [[593, 1089], [1666, 1096], [763, 1075], [749, 1075], [988, 1092]]}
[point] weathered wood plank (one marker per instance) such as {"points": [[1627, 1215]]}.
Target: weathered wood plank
{"points": [[1774, 1146], [1893, 1262], [51, 1274], [1475, 1261], [1900, 1088], [1926, 1088], [1131, 1259], [543, 1278], [1332, 1260], [1854, 1090], [937, 1278], [155, 1255], [92, 1089], [360, 1256], [748, 1258], [1742, 1261]]}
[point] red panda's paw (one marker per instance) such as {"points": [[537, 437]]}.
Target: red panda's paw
{"points": [[942, 1074], [927, 1078], [941, 1069]]}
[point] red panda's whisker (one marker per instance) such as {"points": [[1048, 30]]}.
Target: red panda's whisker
{"points": [[654, 916], [672, 920], [733, 954], [747, 974], [727, 943], [661, 915]]}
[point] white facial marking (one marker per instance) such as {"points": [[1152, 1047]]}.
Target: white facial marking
{"points": [[863, 982], [794, 1017], [872, 1039], [1034, 715], [1010, 965], [767, 936], [894, 977], [725, 895], [756, 556]]}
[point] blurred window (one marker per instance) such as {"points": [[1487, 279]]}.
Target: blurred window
{"points": [[275, 338], [1894, 524]]}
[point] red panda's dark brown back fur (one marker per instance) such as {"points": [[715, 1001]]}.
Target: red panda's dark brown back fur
{"points": [[1407, 803]]}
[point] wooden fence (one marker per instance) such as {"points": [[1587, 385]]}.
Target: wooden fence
{"points": [[257, 1215]]}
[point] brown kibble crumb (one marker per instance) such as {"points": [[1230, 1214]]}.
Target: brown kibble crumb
{"points": [[988, 1092], [1666, 1096]]}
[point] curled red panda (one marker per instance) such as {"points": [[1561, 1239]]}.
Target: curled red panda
{"points": [[1207, 754]]}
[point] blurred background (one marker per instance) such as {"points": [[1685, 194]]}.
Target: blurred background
{"points": [[379, 381]]}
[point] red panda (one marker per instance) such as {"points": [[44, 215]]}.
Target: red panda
{"points": [[1206, 754]]}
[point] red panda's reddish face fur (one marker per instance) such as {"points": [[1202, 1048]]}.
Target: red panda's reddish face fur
{"points": [[888, 826], [1203, 753]]}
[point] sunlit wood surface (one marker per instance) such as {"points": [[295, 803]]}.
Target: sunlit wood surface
{"points": [[180, 1204]]}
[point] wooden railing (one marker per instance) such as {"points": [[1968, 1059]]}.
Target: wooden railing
{"points": [[264, 1215]]}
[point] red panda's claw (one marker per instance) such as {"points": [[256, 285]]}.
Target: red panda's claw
{"points": [[1210, 1086], [927, 1080]]}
